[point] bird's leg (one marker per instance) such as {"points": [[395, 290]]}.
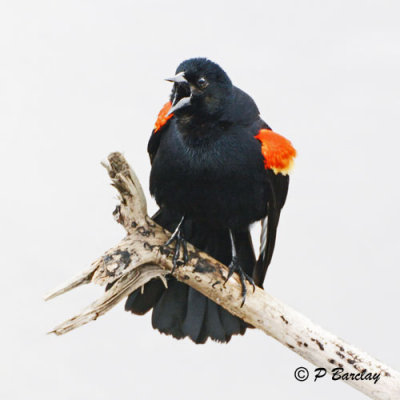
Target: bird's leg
{"points": [[234, 266], [179, 242]]}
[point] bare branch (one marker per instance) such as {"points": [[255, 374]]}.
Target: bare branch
{"points": [[140, 257]]}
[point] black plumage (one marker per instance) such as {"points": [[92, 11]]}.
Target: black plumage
{"points": [[208, 167]]}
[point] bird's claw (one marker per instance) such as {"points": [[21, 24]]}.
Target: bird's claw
{"points": [[179, 242], [234, 266]]}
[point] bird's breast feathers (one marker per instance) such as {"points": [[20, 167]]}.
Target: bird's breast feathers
{"points": [[277, 151]]}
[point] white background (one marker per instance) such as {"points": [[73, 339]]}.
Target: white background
{"points": [[79, 79]]}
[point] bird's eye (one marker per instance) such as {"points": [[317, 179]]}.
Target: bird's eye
{"points": [[202, 83]]}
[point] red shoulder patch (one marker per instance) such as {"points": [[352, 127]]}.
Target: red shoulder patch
{"points": [[277, 151], [163, 117]]}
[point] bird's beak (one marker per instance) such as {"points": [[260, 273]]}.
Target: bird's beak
{"points": [[184, 101], [178, 78]]}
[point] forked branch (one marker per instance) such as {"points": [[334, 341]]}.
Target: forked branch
{"points": [[139, 257]]}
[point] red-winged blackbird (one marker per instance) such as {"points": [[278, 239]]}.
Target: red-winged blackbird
{"points": [[216, 168]]}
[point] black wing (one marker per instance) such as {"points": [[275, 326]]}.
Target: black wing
{"points": [[278, 185], [277, 189]]}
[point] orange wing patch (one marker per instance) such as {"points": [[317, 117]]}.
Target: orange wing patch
{"points": [[277, 151], [162, 117]]}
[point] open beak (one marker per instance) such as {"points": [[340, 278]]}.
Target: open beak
{"points": [[179, 79]]}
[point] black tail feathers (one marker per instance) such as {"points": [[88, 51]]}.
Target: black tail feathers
{"points": [[181, 311]]}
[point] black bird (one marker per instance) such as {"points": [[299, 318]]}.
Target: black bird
{"points": [[216, 168]]}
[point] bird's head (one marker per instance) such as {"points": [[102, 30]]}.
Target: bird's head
{"points": [[200, 90]]}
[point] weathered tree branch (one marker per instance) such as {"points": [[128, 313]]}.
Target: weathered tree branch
{"points": [[139, 257]]}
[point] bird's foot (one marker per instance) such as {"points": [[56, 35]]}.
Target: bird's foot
{"points": [[180, 242], [234, 266]]}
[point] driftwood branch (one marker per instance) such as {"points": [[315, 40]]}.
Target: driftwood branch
{"points": [[139, 257]]}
